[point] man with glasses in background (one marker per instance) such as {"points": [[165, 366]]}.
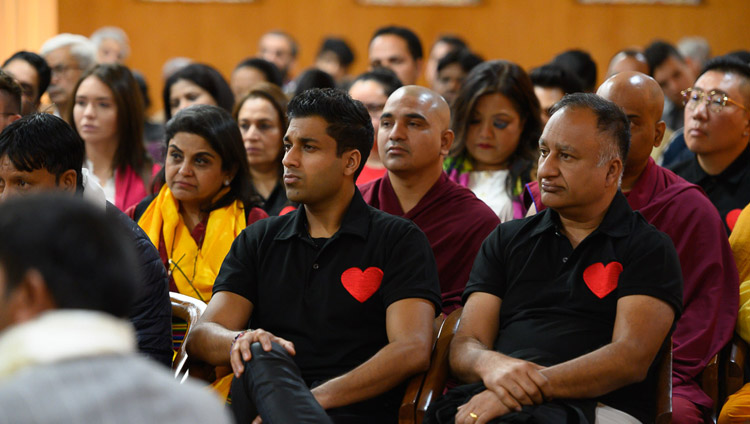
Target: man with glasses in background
{"points": [[717, 131], [68, 55]]}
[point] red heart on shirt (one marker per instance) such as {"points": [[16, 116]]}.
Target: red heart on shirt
{"points": [[362, 284], [732, 218], [602, 279]]}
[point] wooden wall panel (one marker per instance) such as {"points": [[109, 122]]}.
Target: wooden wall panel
{"points": [[529, 32], [26, 24]]}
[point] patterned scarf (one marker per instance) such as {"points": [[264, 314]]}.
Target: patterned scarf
{"points": [[193, 270]]}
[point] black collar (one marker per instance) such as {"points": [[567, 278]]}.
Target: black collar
{"points": [[616, 222], [732, 174], [355, 221]]}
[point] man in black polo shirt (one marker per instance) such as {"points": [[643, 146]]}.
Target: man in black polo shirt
{"points": [[588, 289], [717, 130], [349, 291]]}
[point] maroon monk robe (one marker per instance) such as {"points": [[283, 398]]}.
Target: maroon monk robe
{"points": [[711, 285], [455, 222]]}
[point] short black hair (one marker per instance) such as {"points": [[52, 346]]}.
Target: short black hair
{"points": [[412, 41], [12, 90], [579, 63], [348, 120], [463, 57], [743, 55], [268, 69], [383, 76], [658, 52], [43, 141], [216, 126], [42, 68], [204, 76], [610, 120], [729, 64], [314, 78], [85, 258], [340, 48], [555, 76]]}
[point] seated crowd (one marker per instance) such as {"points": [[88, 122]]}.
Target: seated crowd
{"points": [[587, 231]]}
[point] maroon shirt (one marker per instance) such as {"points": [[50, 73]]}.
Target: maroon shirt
{"points": [[711, 285], [455, 222]]}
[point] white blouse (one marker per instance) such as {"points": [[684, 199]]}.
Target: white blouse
{"points": [[491, 188]]}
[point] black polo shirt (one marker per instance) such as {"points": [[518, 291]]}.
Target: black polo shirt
{"points": [[729, 191], [559, 303], [277, 200], [330, 301]]}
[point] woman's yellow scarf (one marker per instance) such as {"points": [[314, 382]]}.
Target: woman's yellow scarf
{"points": [[193, 270]]}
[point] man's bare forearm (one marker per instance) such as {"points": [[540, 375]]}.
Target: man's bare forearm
{"points": [[469, 358], [392, 365], [210, 342], [640, 328]]}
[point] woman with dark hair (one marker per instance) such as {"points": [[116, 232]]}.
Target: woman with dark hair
{"points": [[108, 115], [261, 116], [496, 121], [196, 84], [252, 71], [207, 200]]}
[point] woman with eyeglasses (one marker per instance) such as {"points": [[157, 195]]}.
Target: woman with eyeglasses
{"points": [[497, 124], [205, 201], [373, 89], [261, 116], [108, 115]]}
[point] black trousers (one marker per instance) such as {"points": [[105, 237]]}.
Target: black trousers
{"points": [[272, 387]]}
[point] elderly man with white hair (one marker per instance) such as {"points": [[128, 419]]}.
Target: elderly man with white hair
{"points": [[68, 55]]}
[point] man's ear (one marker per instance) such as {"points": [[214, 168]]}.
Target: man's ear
{"points": [[659, 134], [446, 141], [614, 171], [352, 158], [30, 298], [68, 181]]}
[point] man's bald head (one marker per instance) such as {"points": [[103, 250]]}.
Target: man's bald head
{"points": [[628, 60], [432, 102], [414, 133], [636, 86], [642, 99]]}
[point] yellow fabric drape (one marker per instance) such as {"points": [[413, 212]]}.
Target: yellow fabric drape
{"points": [[193, 270], [739, 242]]}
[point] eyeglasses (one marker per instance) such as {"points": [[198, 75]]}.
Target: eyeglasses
{"points": [[715, 100], [62, 69]]}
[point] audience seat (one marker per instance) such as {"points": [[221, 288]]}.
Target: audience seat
{"points": [[664, 389], [734, 367], [427, 387], [185, 311], [709, 379]]}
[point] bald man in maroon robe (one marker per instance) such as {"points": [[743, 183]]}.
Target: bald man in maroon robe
{"points": [[683, 211], [413, 139]]}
